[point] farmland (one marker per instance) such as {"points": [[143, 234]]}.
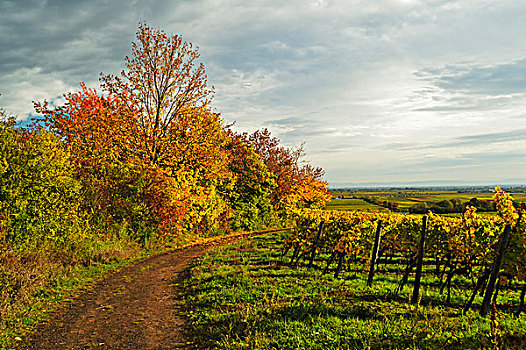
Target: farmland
{"points": [[353, 204], [407, 198]]}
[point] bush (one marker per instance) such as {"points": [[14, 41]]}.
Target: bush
{"points": [[39, 196]]}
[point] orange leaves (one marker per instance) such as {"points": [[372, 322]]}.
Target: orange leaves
{"points": [[153, 129], [296, 185], [164, 83], [93, 125], [310, 189], [152, 156], [166, 88]]}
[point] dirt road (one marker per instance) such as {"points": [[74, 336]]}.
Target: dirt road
{"points": [[134, 308]]}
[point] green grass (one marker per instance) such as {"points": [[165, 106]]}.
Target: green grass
{"points": [[352, 204], [408, 198], [243, 297]]}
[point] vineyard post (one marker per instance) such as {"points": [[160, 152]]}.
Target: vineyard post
{"points": [[341, 257], [295, 253], [521, 305], [315, 245], [499, 255], [420, 259], [329, 262], [374, 254], [480, 285]]}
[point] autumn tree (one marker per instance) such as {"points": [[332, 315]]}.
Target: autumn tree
{"points": [[151, 153], [38, 191], [297, 184], [155, 118], [163, 84], [250, 193], [166, 89], [120, 188]]}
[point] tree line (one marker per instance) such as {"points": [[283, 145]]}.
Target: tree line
{"points": [[446, 206], [453, 205]]}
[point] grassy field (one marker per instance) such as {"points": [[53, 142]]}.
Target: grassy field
{"points": [[353, 204], [406, 198], [244, 297]]}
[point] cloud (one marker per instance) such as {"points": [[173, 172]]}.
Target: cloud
{"points": [[514, 135], [372, 87], [55, 45], [31, 84], [494, 140], [472, 87], [499, 79]]}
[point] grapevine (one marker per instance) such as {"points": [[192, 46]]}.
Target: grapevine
{"points": [[460, 245]]}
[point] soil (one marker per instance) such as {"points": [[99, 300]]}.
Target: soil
{"points": [[133, 308]]}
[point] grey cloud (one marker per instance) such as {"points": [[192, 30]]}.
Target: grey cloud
{"points": [[55, 45], [462, 141], [325, 72], [498, 79], [495, 137], [485, 139], [295, 127], [465, 166], [58, 35], [473, 162], [401, 146], [472, 87], [292, 121]]}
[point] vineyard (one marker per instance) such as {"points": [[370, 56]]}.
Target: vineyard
{"points": [[489, 251]]}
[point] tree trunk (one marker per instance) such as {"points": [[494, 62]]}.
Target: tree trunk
{"points": [[521, 305], [329, 262], [480, 285]]}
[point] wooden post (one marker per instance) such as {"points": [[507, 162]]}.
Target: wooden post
{"points": [[499, 255], [285, 251], [419, 262], [341, 256], [295, 254], [329, 262], [480, 283], [521, 305], [301, 255], [408, 268], [374, 254], [315, 244]]}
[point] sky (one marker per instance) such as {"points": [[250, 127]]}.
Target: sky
{"points": [[378, 91]]}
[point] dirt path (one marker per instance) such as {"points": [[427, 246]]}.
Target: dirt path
{"points": [[134, 308]]}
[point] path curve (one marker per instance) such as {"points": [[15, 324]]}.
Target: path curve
{"points": [[133, 308]]}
